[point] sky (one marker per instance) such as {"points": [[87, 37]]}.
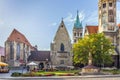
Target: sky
{"points": [[39, 20]]}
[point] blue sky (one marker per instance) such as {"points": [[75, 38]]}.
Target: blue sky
{"points": [[38, 20]]}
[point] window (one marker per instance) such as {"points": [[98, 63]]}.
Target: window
{"points": [[61, 61], [77, 34], [62, 26], [111, 18], [11, 51], [18, 52], [110, 12], [75, 41], [110, 4], [104, 5], [74, 34], [80, 34], [62, 47]]}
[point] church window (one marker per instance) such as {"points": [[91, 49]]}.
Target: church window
{"points": [[110, 4], [75, 41], [110, 12], [104, 5], [61, 61], [18, 52], [77, 34], [80, 34], [62, 47], [111, 18], [62, 26], [11, 51], [74, 34]]}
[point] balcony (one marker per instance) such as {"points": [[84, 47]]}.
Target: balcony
{"points": [[62, 54]]}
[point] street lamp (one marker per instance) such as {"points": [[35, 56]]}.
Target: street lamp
{"points": [[47, 64]]}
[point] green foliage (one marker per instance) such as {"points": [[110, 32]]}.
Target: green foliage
{"points": [[16, 74], [98, 45], [51, 73], [111, 71]]}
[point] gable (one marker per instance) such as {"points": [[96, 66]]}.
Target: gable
{"points": [[18, 37], [62, 32]]}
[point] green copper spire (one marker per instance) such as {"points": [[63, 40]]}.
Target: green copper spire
{"points": [[77, 23]]}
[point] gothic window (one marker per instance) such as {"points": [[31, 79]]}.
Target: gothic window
{"points": [[104, 5], [110, 4], [75, 41], [80, 34], [111, 18], [18, 52], [62, 47], [110, 12], [11, 51], [74, 34], [61, 61], [62, 26], [77, 34]]}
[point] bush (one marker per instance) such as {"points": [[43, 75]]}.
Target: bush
{"points": [[16, 74], [67, 74], [31, 74], [49, 74]]}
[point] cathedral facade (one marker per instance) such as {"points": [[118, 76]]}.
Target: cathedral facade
{"points": [[61, 48]]}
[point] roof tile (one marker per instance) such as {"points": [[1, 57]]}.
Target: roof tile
{"points": [[92, 29], [18, 37]]}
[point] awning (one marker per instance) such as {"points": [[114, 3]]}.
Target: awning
{"points": [[32, 64], [3, 64]]}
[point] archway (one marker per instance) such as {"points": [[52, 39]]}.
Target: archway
{"points": [[41, 66]]}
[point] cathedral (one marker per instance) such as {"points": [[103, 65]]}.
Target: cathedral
{"points": [[61, 48]]}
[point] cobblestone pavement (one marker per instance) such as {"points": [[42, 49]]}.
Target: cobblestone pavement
{"points": [[67, 78]]}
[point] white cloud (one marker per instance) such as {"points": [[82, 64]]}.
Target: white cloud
{"points": [[69, 18], [53, 24], [118, 16], [91, 18], [81, 15]]}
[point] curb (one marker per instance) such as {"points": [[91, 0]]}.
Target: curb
{"points": [[66, 77]]}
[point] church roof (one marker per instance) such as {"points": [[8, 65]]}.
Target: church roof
{"points": [[77, 23], [61, 30], [39, 56], [92, 29], [18, 37]]}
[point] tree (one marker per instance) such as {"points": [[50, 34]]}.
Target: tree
{"points": [[97, 45]]}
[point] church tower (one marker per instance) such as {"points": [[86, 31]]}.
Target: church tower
{"points": [[61, 48], [77, 29], [107, 15], [107, 19]]}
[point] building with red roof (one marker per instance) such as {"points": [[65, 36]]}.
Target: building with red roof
{"points": [[17, 49]]}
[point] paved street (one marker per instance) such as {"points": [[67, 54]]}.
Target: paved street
{"points": [[92, 77], [8, 75]]}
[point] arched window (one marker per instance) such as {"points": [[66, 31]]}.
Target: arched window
{"points": [[18, 52], [62, 47], [11, 51]]}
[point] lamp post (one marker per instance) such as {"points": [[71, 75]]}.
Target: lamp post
{"points": [[46, 64]]}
